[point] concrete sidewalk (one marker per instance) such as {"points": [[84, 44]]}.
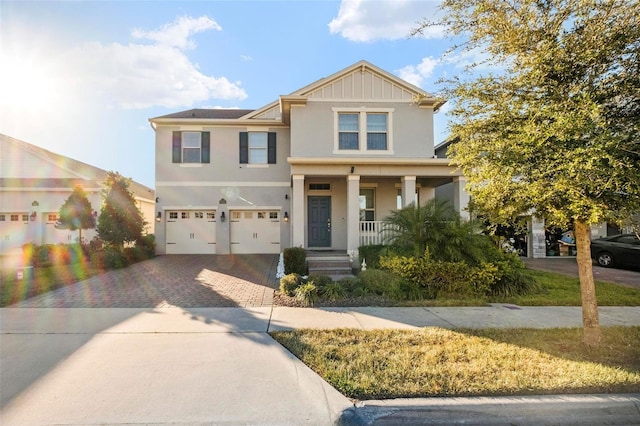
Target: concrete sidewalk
{"points": [[218, 365]]}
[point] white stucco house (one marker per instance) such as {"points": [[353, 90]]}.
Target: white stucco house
{"points": [[35, 183], [318, 168]]}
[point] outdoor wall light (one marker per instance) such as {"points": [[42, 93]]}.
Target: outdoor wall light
{"points": [[33, 216], [222, 217], [353, 169], [286, 216], [158, 216]]}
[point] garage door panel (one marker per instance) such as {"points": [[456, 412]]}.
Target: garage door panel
{"points": [[255, 231], [191, 232]]}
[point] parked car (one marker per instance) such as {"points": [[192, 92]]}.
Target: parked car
{"points": [[617, 250]]}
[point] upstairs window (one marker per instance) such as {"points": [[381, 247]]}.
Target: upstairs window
{"points": [[365, 130], [191, 147], [377, 132], [348, 131], [257, 147]]}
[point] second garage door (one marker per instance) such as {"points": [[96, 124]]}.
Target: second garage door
{"points": [[254, 231], [191, 232]]}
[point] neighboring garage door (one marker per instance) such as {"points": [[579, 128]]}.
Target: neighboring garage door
{"points": [[13, 231], [191, 232], [57, 236], [255, 231]]}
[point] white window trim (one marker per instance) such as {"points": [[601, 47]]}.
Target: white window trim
{"points": [[362, 132], [266, 149]]}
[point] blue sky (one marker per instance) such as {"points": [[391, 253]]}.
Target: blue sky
{"points": [[82, 78]]}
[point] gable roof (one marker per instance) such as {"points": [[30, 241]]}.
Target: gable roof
{"points": [[87, 175], [278, 110]]}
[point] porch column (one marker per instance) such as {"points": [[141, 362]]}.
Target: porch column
{"points": [[297, 211], [537, 241], [408, 190], [353, 217], [460, 196], [426, 193]]}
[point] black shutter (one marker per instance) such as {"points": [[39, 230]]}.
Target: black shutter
{"points": [[177, 147], [244, 147], [271, 148], [206, 147]]}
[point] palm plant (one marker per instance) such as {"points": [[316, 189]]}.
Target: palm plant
{"points": [[438, 227]]}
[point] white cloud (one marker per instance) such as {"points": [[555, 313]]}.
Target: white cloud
{"points": [[417, 74], [366, 20], [246, 58], [177, 33], [137, 76]]}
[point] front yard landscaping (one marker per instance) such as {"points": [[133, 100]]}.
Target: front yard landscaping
{"points": [[430, 362]]}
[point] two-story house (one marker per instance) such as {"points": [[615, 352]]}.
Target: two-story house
{"points": [[35, 183], [318, 168]]}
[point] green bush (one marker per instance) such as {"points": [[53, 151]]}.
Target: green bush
{"points": [[307, 294], [114, 258], [289, 283], [319, 280], [295, 260], [371, 254], [333, 291], [146, 246], [382, 283]]}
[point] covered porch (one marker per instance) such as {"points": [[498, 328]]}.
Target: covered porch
{"points": [[340, 204]]}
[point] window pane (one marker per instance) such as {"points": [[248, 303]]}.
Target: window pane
{"points": [[191, 155], [348, 141], [258, 156], [377, 141], [348, 122], [376, 122], [257, 140], [191, 139]]}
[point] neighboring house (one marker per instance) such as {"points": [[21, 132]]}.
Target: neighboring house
{"points": [[318, 168], [539, 240], [35, 183]]}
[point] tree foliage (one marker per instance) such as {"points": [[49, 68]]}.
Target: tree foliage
{"points": [[555, 127], [76, 213], [120, 219]]}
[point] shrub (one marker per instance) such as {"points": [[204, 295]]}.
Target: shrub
{"points": [[319, 280], [307, 294], [114, 258], [295, 260], [382, 283], [289, 283], [146, 246], [371, 254], [333, 291]]}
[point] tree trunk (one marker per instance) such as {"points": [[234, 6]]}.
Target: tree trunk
{"points": [[590, 320]]}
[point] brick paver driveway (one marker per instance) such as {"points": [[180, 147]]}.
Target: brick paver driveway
{"points": [[173, 280]]}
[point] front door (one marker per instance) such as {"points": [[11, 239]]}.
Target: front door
{"points": [[319, 221]]}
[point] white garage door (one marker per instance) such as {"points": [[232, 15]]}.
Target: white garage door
{"points": [[255, 231], [191, 232], [13, 231]]}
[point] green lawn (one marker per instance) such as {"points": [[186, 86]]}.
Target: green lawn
{"points": [[562, 290], [44, 279], [432, 361]]}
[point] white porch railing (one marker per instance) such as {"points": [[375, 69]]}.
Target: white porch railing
{"points": [[373, 232]]}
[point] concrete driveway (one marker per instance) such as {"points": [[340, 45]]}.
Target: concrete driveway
{"points": [[185, 281]]}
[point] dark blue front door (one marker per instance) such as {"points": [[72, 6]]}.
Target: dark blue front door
{"points": [[319, 221]]}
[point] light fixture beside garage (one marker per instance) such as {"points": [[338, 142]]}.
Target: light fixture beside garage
{"points": [[286, 216], [222, 217], [158, 216]]}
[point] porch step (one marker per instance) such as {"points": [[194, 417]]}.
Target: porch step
{"points": [[335, 265]]}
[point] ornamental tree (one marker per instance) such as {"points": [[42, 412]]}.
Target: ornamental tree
{"points": [[76, 212], [554, 128], [120, 219]]}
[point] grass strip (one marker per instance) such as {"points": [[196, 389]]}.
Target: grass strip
{"points": [[432, 361], [563, 290]]}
